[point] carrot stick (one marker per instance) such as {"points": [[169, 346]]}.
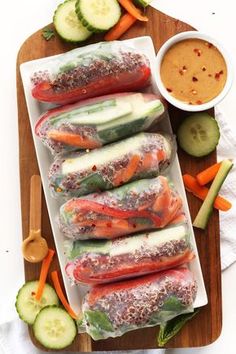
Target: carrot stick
{"points": [[57, 286], [43, 273], [126, 174], [124, 23], [132, 10], [208, 174], [73, 139], [192, 186]]}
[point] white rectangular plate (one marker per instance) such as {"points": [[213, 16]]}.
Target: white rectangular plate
{"points": [[35, 109]]}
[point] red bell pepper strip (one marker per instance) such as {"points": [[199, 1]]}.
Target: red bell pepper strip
{"points": [[102, 290], [88, 276], [89, 205], [124, 81]]}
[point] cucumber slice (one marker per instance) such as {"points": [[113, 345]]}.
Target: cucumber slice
{"points": [[205, 211], [98, 15], [54, 328], [142, 3], [199, 134], [26, 305], [67, 24]]}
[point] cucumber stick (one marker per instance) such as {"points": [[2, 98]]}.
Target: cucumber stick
{"points": [[207, 206], [67, 24], [26, 305], [54, 328], [142, 3], [98, 15]]}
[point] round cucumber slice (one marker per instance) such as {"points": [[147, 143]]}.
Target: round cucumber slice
{"points": [[26, 305], [67, 24], [98, 15], [54, 328], [199, 134]]}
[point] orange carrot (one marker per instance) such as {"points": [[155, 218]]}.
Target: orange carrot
{"points": [[147, 161], [208, 174], [43, 273], [192, 186], [132, 10], [73, 139], [124, 23], [57, 286], [125, 174]]}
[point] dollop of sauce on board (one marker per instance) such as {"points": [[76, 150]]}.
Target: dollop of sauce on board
{"points": [[193, 71]]}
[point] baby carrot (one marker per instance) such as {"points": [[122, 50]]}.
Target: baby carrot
{"points": [[124, 23], [208, 174], [57, 286], [43, 273], [192, 186], [132, 10]]}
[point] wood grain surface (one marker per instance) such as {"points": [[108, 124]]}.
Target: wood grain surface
{"points": [[206, 326]]}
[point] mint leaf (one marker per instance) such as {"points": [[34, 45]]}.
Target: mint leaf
{"points": [[170, 328], [48, 33]]}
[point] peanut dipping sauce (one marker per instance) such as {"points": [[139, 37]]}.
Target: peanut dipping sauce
{"points": [[193, 71]]}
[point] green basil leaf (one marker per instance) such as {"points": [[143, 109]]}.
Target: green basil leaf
{"points": [[170, 328]]}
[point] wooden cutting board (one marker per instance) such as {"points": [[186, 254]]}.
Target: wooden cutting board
{"points": [[206, 326]]}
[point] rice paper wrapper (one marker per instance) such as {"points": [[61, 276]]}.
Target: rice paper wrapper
{"points": [[114, 309]]}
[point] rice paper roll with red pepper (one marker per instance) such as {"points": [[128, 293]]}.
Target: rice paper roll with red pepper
{"points": [[98, 121], [97, 261], [140, 156], [140, 205], [91, 71], [110, 310]]}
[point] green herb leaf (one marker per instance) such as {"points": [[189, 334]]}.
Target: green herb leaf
{"points": [[48, 33], [99, 320], [169, 329]]}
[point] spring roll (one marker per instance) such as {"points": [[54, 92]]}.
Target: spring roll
{"points": [[140, 205], [90, 72], [97, 261], [110, 310], [140, 156], [98, 121]]}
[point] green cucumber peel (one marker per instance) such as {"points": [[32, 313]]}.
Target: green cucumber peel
{"points": [[142, 3], [89, 246], [206, 209], [85, 110], [170, 328]]}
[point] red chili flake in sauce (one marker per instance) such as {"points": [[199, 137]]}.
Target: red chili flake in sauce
{"points": [[168, 89], [203, 68], [109, 224], [194, 79], [209, 75], [94, 168], [210, 45], [199, 102], [181, 72], [198, 52], [184, 68], [134, 226], [217, 75], [93, 225], [33, 293]]}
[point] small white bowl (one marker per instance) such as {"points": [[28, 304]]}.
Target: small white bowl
{"points": [[180, 104]]}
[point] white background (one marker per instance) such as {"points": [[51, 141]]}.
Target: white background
{"points": [[19, 19]]}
